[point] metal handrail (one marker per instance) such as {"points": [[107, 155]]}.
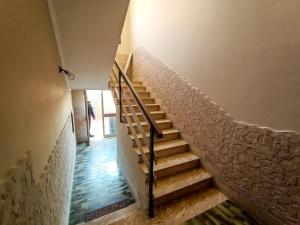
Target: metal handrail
{"points": [[139, 101], [138, 143], [135, 118], [153, 128]]}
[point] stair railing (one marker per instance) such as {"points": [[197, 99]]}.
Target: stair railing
{"points": [[126, 96]]}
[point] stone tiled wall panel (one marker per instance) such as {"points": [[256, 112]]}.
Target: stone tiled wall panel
{"points": [[46, 202], [258, 164]]}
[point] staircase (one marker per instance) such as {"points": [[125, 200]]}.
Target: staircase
{"points": [[179, 178], [224, 213]]}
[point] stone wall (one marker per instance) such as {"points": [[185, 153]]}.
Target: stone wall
{"points": [[258, 167], [46, 202]]}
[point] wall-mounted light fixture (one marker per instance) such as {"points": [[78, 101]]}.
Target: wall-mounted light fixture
{"points": [[70, 76]]}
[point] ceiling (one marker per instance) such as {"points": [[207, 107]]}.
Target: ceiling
{"points": [[87, 34]]}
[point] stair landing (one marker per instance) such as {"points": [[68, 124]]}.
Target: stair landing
{"points": [[187, 207], [175, 212]]}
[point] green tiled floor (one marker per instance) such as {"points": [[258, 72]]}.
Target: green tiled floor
{"points": [[98, 181]]}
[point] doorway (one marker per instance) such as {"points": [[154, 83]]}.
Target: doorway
{"points": [[101, 114], [109, 114]]}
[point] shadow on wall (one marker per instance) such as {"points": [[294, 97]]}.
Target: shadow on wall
{"points": [[258, 167]]}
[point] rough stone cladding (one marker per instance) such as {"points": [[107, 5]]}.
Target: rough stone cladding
{"points": [[46, 202], [258, 167]]}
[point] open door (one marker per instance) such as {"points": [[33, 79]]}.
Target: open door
{"points": [[109, 114]]}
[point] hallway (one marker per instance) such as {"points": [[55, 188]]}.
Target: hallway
{"points": [[98, 181]]}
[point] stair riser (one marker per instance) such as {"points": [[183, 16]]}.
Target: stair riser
{"points": [[168, 151], [140, 94], [181, 192], [167, 137], [156, 116], [150, 108], [175, 169], [134, 83], [133, 102], [137, 88], [161, 126], [144, 100]]}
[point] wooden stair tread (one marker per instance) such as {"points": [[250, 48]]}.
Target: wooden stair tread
{"points": [[142, 98], [141, 94], [179, 181], [165, 132], [163, 145], [148, 92], [169, 131], [151, 107], [136, 88], [170, 161], [145, 100], [143, 123], [134, 82], [139, 113], [135, 85], [147, 104], [184, 208]]}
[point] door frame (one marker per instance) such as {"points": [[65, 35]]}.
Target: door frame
{"points": [[106, 115], [87, 119]]}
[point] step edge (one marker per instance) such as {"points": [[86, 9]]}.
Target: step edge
{"points": [[144, 168], [178, 188], [147, 104], [148, 134], [139, 113], [166, 208], [145, 123], [179, 145]]}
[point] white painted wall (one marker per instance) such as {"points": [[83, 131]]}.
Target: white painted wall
{"points": [[88, 34], [34, 99], [128, 160], [242, 54]]}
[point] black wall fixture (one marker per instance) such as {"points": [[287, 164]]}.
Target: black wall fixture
{"points": [[70, 76]]}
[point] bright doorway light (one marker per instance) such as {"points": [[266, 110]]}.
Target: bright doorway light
{"points": [[94, 96]]}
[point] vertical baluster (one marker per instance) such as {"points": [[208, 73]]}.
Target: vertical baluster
{"points": [[120, 96], [151, 177]]}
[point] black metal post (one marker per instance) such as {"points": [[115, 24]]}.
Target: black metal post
{"points": [[120, 96], [151, 177]]}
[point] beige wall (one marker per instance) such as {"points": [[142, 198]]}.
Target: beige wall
{"points": [[80, 117], [129, 163], [125, 48], [89, 33], [242, 54], [34, 100]]}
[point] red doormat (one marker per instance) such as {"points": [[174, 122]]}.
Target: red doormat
{"points": [[106, 210]]}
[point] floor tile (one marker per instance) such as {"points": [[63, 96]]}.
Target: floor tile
{"points": [[98, 181]]}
